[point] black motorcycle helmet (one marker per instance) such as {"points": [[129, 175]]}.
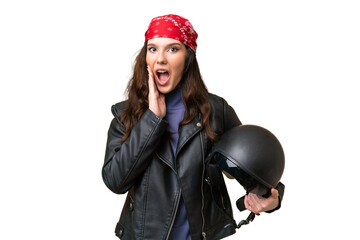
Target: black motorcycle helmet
{"points": [[253, 156]]}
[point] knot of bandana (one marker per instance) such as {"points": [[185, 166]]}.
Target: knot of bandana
{"points": [[172, 26]]}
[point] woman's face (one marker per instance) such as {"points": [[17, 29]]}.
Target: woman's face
{"points": [[166, 58]]}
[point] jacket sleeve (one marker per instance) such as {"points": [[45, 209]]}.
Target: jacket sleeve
{"points": [[223, 116], [125, 162], [231, 120]]}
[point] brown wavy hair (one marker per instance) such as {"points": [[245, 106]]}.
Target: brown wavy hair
{"points": [[194, 94]]}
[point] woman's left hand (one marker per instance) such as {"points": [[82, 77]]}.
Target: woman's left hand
{"points": [[257, 205]]}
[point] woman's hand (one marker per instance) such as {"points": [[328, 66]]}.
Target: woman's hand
{"points": [[156, 99], [257, 205]]}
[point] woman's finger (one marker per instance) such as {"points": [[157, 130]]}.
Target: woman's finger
{"points": [[255, 204], [150, 80]]}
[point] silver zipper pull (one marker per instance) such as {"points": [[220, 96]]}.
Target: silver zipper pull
{"points": [[204, 235], [208, 180]]}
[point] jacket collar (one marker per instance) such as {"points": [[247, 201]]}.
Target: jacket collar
{"points": [[165, 152], [186, 132]]}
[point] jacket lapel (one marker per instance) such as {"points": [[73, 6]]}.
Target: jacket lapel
{"points": [[187, 131], [165, 152]]}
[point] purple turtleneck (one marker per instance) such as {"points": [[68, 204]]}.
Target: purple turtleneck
{"points": [[175, 111]]}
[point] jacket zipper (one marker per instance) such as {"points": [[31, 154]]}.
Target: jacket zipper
{"points": [[202, 189]]}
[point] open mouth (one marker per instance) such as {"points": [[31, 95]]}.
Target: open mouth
{"points": [[162, 76]]}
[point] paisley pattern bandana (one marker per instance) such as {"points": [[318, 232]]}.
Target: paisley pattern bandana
{"points": [[172, 26]]}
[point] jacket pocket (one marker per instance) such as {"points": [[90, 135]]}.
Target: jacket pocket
{"points": [[216, 183], [124, 228], [119, 230], [218, 216]]}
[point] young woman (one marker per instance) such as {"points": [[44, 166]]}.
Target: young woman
{"points": [[159, 139]]}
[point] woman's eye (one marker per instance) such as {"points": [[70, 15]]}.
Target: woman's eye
{"points": [[173, 49], [152, 49]]}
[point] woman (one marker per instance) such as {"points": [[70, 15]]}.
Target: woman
{"points": [[159, 139]]}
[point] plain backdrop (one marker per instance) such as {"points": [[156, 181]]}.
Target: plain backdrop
{"points": [[289, 66]]}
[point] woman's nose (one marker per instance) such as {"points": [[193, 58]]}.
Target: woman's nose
{"points": [[161, 58]]}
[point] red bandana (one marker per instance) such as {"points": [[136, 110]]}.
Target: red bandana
{"points": [[172, 26]]}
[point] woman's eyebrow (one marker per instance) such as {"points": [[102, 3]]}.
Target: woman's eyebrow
{"points": [[174, 44]]}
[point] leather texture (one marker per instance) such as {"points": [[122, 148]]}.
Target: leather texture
{"points": [[145, 168]]}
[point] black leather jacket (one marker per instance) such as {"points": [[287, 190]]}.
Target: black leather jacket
{"points": [[144, 166]]}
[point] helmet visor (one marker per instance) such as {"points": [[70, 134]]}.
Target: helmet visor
{"points": [[247, 181]]}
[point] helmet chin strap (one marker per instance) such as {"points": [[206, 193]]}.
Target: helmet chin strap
{"points": [[241, 206], [249, 219]]}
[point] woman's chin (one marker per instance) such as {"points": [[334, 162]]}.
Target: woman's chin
{"points": [[164, 89]]}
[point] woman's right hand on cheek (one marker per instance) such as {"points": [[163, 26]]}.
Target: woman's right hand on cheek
{"points": [[156, 99]]}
